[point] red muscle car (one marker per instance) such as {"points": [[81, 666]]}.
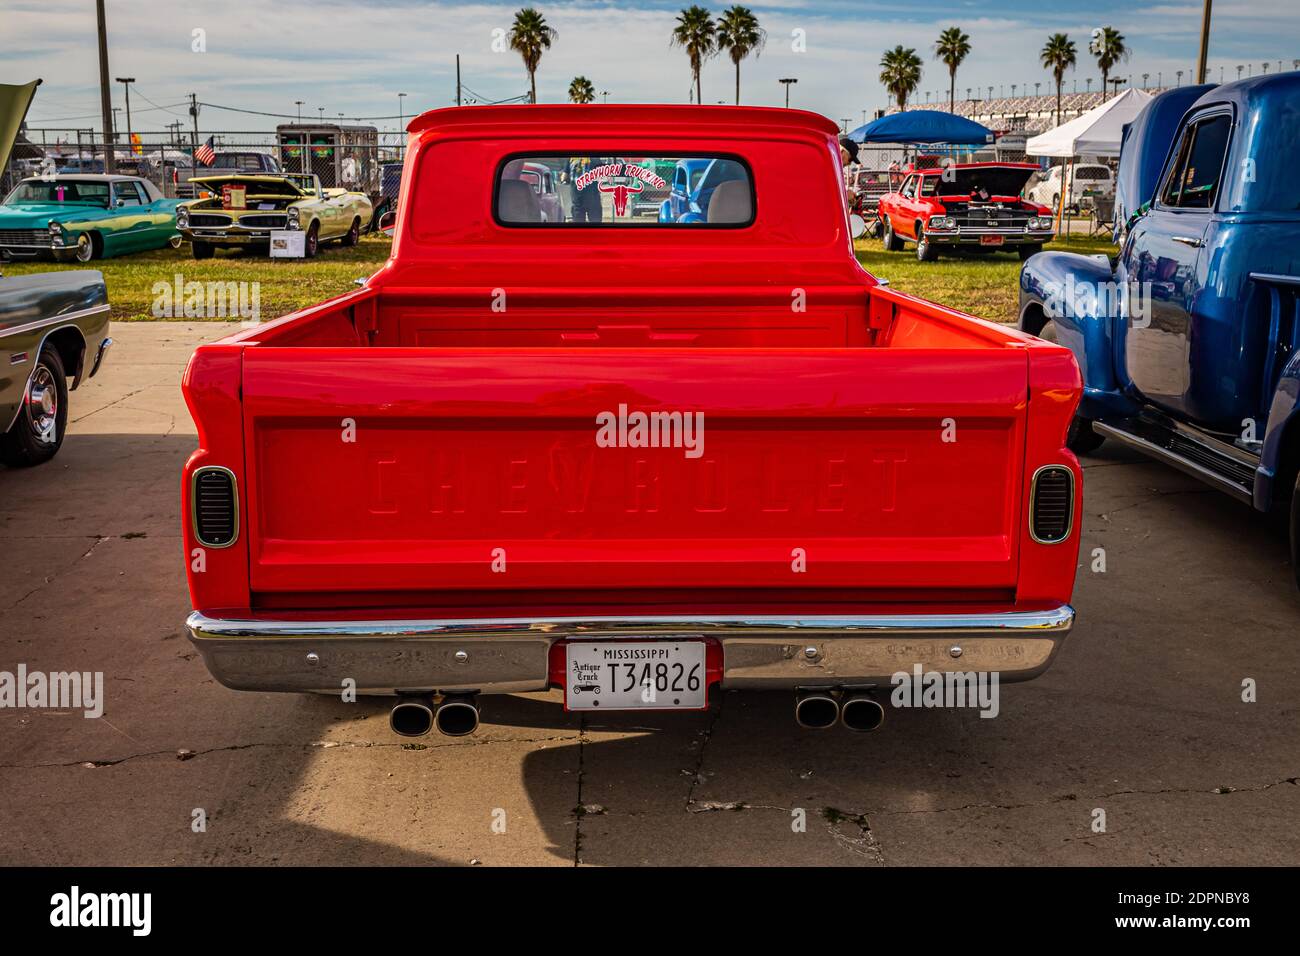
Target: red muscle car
{"points": [[972, 205], [633, 462]]}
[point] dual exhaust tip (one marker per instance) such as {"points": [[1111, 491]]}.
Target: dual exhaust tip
{"points": [[821, 709], [456, 715]]}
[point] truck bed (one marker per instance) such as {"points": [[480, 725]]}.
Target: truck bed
{"points": [[824, 437]]}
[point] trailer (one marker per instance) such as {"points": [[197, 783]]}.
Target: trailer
{"points": [[343, 157]]}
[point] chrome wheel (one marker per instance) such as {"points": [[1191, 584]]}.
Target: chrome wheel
{"points": [[174, 242], [85, 247], [38, 428], [42, 407]]}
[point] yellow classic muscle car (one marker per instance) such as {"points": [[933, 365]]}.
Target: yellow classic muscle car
{"points": [[238, 211]]}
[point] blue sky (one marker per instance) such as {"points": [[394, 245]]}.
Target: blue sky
{"points": [[354, 57]]}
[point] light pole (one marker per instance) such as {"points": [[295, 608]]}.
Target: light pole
{"points": [[786, 81], [105, 94], [605, 95], [298, 103], [401, 125], [1144, 80], [1180, 77], [1201, 58], [126, 82], [321, 110]]}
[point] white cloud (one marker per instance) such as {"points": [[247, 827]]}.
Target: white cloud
{"points": [[354, 57]]}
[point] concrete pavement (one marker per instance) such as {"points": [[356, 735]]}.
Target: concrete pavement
{"points": [[1140, 717]]}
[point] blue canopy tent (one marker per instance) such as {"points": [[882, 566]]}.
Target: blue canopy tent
{"points": [[923, 127]]}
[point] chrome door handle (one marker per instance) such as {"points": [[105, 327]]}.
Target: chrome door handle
{"points": [[1192, 241]]}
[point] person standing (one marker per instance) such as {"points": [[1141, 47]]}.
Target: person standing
{"points": [[585, 196]]}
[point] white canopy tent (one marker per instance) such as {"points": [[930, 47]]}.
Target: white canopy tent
{"points": [[1097, 132], [169, 155]]}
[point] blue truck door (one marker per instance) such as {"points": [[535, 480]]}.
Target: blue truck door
{"points": [[1166, 272]]}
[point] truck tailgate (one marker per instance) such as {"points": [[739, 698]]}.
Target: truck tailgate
{"points": [[475, 469]]}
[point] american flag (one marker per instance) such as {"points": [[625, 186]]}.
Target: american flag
{"points": [[205, 154]]}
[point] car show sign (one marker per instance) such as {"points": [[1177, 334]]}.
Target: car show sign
{"points": [[288, 244]]}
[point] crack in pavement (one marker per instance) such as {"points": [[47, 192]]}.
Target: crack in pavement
{"points": [[186, 755], [1156, 496], [45, 582], [578, 811], [117, 401], [707, 734], [864, 844], [1070, 797]]}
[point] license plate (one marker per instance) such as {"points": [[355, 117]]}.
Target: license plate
{"points": [[635, 675], [990, 240]]}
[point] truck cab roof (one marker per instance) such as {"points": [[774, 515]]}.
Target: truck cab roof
{"points": [[740, 120]]}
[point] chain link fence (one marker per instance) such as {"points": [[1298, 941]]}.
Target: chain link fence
{"points": [[358, 158]]}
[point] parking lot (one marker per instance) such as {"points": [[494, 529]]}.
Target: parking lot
{"points": [[1141, 716]]}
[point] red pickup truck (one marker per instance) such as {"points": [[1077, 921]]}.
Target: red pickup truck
{"points": [[635, 461]]}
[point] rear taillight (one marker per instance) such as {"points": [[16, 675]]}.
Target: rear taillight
{"points": [[1051, 504], [214, 499]]}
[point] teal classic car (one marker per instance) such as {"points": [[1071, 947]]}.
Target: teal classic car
{"points": [[83, 217]]}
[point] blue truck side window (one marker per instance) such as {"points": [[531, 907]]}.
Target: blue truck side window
{"points": [[1194, 179]]}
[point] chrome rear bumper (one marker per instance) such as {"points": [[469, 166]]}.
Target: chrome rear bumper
{"points": [[510, 655]]}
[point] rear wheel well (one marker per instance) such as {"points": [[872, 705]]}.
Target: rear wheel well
{"points": [[1033, 320], [71, 346]]}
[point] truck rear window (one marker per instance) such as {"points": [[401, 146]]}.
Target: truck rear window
{"points": [[590, 190]]}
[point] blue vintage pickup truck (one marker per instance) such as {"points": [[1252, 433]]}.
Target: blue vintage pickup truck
{"points": [[1189, 339]]}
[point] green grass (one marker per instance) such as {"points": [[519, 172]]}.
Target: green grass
{"points": [[982, 285], [285, 284]]}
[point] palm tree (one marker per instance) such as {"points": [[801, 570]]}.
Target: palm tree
{"points": [[952, 47], [529, 36], [697, 34], [900, 73], [740, 35], [1056, 55], [581, 90], [1107, 45]]}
